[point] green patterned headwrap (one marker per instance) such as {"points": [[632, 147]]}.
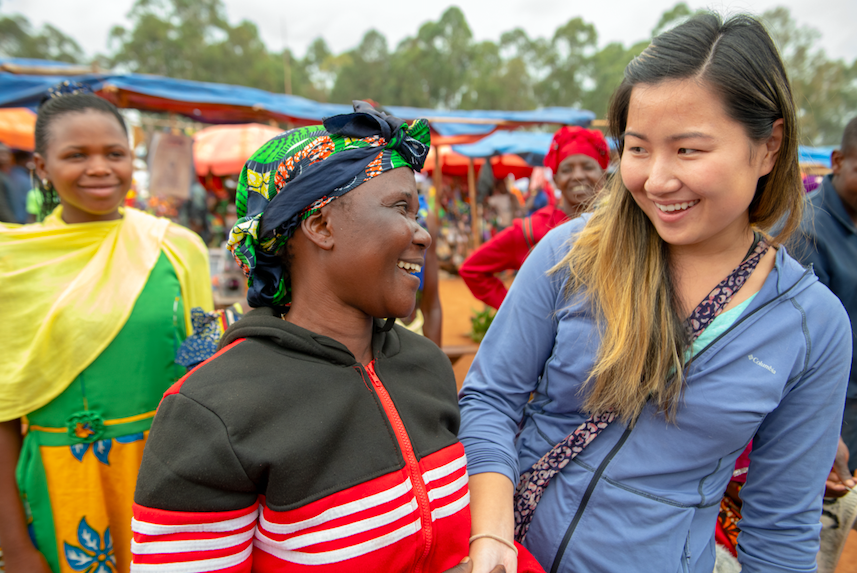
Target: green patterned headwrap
{"points": [[300, 171]]}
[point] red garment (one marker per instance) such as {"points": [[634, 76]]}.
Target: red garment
{"points": [[726, 531], [573, 140], [507, 250]]}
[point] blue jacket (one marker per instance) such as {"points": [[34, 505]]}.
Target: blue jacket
{"points": [[828, 241], [645, 499]]}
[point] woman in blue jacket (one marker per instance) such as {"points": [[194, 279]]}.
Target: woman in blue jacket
{"points": [[604, 349]]}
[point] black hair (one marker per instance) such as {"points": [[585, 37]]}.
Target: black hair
{"points": [[739, 61], [52, 109], [849, 138]]}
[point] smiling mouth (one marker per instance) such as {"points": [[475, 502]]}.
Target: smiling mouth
{"points": [[99, 189], [409, 267], [676, 206]]}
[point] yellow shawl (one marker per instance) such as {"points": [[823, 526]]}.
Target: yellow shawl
{"points": [[67, 290]]}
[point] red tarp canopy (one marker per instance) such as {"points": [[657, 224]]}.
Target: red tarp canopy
{"points": [[453, 163], [17, 127], [223, 149]]}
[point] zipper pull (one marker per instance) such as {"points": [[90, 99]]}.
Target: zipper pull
{"points": [[373, 376]]}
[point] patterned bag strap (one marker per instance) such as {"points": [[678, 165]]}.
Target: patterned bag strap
{"points": [[534, 481]]}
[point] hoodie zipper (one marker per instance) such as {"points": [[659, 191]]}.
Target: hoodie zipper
{"points": [[411, 464], [603, 465]]}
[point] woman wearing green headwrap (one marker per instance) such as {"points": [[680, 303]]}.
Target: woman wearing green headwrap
{"points": [[321, 437]]}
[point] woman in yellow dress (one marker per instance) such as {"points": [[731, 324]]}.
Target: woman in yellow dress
{"points": [[95, 302]]}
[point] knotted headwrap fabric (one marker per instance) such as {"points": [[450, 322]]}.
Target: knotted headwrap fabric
{"points": [[573, 140], [304, 169]]}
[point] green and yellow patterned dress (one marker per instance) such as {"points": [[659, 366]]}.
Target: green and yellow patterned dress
{"points": [[82, 451]]}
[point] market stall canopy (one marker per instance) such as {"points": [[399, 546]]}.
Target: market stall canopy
{"points": [[222, 103], [529, 145], [816, 155], [453, 163], [17, 127], [223, 149], [42, 67]]}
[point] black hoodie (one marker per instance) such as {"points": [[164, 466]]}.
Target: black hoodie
{"points": [[287, 418]]}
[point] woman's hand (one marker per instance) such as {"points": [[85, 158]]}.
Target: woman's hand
{"points": [[25, 559], [487, 553], [466, 566], [491, 513], [18, 550], [840, 479]]}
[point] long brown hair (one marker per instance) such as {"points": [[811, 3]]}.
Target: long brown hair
{"points": [[620, 262]]}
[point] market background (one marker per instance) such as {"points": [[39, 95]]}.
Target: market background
{"points": [[483, 60]]}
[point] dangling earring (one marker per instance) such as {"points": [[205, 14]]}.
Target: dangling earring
{"points": [[46, 184]]}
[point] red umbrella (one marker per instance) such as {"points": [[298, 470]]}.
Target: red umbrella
{"points": [[223, 149], [453, 163], [17, 127]]}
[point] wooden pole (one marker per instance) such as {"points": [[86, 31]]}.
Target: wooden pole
{"points": [[287, 64], [287, 61], [475, 220], [438, 181]]}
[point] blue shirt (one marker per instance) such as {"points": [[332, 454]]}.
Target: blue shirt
{"points": [[19, 186], [828, 241]]}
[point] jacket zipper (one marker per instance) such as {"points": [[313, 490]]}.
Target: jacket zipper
{"points": [[596, 477], [411, 463]]}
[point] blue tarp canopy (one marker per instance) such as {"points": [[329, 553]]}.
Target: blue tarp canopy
{"points": [[532, 146], [222, 103], [816, 155]]}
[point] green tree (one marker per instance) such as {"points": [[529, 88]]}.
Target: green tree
{"points": [[824, 90], [431, 68], [19, 39], [568, 63], [607, 71], [321, 68], [364, 72], [192, 40], [496, 83], [672, 18]]}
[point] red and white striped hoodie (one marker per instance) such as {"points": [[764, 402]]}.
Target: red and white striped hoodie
{"points": [[281, 453]]}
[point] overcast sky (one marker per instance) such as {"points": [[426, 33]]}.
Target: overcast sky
{"points": [[342, 23]]}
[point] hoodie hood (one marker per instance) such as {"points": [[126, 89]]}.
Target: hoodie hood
{"points": [[265, 323], [792, 277]]}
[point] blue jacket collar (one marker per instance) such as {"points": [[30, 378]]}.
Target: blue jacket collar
{"points": [[828, 199]]}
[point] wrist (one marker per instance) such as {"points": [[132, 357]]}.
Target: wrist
{"points": [[495, 538]]}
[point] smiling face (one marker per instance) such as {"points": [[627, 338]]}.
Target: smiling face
{"points": [[378, 245], [577, 177], [690, 167], [88, 161]]}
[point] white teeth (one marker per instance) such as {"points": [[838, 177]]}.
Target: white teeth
{"points": [[676, 206], [410, 267]]}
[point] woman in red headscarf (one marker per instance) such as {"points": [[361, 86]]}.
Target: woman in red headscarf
{"points": [[578, 158]]}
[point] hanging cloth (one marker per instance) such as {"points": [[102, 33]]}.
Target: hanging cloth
{"points": [[67, 290]]}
